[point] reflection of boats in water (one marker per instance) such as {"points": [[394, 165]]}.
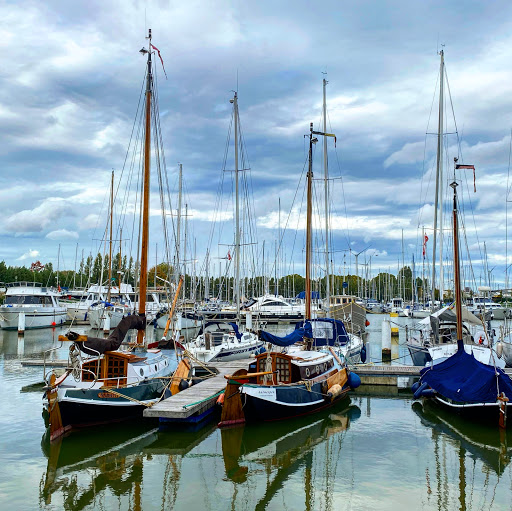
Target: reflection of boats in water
{"points": [[112, 462], [488, 444], [281, 446]]}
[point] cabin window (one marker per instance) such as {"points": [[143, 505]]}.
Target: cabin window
{"points": [[322, 330], [23, 300], [89, 370], [116, 368], [283, 370]]}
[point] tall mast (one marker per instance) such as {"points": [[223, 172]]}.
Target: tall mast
{"points": [[143, 276], [178, 225], [110, 239], [308, 223], [326, 194], [237, 214], [456, 267], [438, 206]]}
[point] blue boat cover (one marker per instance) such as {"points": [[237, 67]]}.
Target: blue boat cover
{"points": [[463, 379], [237, 332], [297, 335], [315, 295], [324, 331]]}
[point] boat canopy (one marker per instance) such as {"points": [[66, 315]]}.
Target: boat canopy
{"points": [[463, 379], [324, 332], [448, 314], [297, 335]]}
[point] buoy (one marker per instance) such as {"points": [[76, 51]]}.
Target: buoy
{"points": [[53, 323], [420, 390], [428, 392], [415, 386], [334, 391], [367, 323], [499, 349], [220, 399], [353, 380], [363, 354], [183, 384]]}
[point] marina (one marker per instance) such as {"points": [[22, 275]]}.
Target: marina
{"points": [[255, 256], [401, 438]]}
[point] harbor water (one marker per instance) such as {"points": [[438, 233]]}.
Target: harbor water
{"points": [[370, 452]]}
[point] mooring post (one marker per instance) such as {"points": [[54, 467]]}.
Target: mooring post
{"points": [[386, 340]]}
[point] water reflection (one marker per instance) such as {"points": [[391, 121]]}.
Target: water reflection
{"points": [[100, 463], [482, 442], [282, 448]]}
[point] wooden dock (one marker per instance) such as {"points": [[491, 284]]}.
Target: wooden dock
{"points": [[40, 363], [194, 403]]}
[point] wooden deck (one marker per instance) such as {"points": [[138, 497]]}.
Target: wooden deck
{"points": [[199, 398]]}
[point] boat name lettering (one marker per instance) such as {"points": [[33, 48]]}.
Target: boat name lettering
{"points": [[106, 395]]}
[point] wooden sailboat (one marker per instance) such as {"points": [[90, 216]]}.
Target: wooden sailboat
{"points": [[461, 382], [283, 385], [109, 384]]}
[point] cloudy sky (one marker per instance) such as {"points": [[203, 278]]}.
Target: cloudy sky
{"points": [[70, 84]]}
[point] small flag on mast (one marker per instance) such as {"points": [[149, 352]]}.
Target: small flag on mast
{"points": [[229, 256], [161, 60], [468, 167], [425, 244]]}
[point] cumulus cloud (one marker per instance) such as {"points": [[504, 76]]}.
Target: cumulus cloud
{"points": [[62, 234], [36, 219], [28, 255]]}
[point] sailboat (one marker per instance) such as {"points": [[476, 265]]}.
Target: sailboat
{"points": [[281, 385], [222, 345], [461, 382], [438, 329], [103, 383]]}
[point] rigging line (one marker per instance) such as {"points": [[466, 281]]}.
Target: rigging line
{"points": [[347, 229], [425, 145]]}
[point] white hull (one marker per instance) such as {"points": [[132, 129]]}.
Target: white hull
{"points": [[98, 315], [481, 353], [42, 317]]}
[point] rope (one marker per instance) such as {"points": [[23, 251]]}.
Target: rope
{"points": [[205, 399]]}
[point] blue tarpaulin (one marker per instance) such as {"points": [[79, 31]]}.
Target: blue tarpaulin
{"points": [[324, 332], [297, 335], [315, 295], [463, 379]]}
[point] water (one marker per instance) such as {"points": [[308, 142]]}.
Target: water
{"points": [[366, 453]]}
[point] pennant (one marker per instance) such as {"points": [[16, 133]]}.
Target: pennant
{"points": [[161, 60], [425, 244], [229, 256], [468, 167]]}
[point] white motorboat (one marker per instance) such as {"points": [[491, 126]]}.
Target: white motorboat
{"points": [[29, 305]]}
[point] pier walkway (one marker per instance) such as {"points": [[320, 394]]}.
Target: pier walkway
{"points": [[194, 403]]}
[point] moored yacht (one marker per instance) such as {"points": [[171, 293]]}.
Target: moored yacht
{"points": [[29, 305]]}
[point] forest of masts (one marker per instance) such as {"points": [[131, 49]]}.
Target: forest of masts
{"points": [[383, 287]]}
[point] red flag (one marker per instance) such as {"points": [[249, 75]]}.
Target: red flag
{"points": [[425, 244], [468, 167], [229, 255], [161, 60]]}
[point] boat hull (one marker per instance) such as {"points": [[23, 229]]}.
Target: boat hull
{"points": [[272, 403], [9, 317], [82, 408]]}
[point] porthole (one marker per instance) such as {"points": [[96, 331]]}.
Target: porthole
{"points": [[141, 371], [307, 372]]}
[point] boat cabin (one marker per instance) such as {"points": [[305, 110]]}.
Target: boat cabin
{"points": [[291, 368], [110, 369]]}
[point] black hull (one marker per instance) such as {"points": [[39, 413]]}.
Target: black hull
{"points": [[95, 410], [256, 409]]}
